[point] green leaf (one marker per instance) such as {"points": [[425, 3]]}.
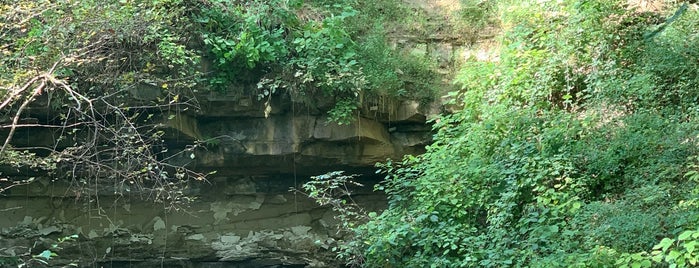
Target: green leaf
{"points": [[657, 256], [664, 244], [695, 235], [684, 235], [690, 246], [554, 229], [672, 255], [46, 254]]}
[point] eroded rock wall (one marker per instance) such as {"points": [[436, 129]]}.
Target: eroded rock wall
{"points": [[244, 216], [241, 220]]}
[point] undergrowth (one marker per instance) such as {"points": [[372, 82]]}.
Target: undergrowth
{"points": [[577, 148]]}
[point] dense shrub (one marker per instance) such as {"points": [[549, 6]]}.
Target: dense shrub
{"points": [[570, 151]]}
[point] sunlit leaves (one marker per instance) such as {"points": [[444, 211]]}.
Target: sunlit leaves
{"points": [[556, 158]]}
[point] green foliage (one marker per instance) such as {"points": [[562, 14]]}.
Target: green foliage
{"points": [[640, 148], [245, 35], [567, 152], [79, 58], [679, 252], [475, 17], [619, 225], [343, 111], [308, 50], [334, 189], [656, 72]]}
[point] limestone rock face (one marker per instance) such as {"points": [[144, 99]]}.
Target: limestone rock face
{"points": [[245, 216], [284, 142]]}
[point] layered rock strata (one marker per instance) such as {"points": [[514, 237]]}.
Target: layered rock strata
{"points": [[244, 216]]}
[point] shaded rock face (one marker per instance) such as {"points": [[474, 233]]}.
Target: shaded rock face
{"points": [[279, 138], [242, 221], [277, 144], [244, 216], [246, 221]]}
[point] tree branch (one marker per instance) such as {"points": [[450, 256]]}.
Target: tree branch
{"points": [[15, 120]]}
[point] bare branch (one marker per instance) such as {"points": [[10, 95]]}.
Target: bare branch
{"points": [[15, 120], [15, 94], [43, 126]]}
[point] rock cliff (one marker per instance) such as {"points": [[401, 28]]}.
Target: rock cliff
{"points": [[245, 215]]}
